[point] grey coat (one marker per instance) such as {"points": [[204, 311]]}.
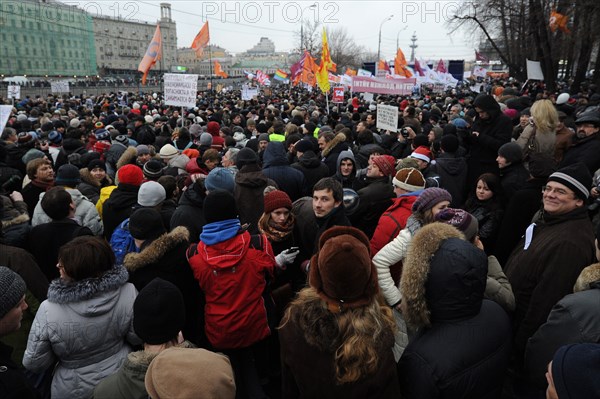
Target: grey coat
{"points": [[82, 327]]}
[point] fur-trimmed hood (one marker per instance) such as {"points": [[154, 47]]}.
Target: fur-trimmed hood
{"points": [[61, 291], [156, 249], [86, 177], [589, 278], [338, 139], [443, 278], [129, 156], [142, 359]]}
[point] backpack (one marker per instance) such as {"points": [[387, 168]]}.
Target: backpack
{"points": [[122, 242]]}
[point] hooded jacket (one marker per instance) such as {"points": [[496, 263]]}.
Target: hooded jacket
{"points": [[90, 187], [118, 207], [332, 150], [443, 283], [347, 182], [313, 170], [232, 276], [250, 183], [276, 168], [393, 220], [190, 212], [452, 172]]}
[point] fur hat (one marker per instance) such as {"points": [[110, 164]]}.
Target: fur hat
{"points": [[68, 175], [158, 311], [277, 199], [386, 164], [151, 194], [341, 271], [188, 373], [577, 177], [423, 153], [462, 220], [575, 370], [409, 179], [220, 178], [12, 289], [130, 174], [512, 152], [219, 205], [429, 198], [168, 151]]}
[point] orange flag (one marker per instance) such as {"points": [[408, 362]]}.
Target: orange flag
{"points": [[309, 69], [152, 54], [558, 21], [350, 72], [400, 65], [201, 40], [219, 71]]}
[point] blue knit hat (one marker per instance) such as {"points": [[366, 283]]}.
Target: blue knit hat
{"points": [[220, 178]]}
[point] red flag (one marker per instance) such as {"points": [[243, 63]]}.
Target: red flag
{"points": [[383, 66], [219, 71], [480, 57], [152, 54], [558, 21], [441, 67], [418, 68], [201, 40]]}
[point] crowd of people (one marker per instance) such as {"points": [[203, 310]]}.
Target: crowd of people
{"points": [[286, 247]]}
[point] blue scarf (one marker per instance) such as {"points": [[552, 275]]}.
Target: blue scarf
{"points": [[216, 232]]}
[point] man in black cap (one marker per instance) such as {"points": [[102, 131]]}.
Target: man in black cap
{"points": [[548, 259], [586, 146]]}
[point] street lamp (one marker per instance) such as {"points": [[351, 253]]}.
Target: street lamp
{"points": [[312, 7], [398, 37], [379, 43]]}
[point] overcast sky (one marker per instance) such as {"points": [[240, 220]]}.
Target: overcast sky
{"points": [[238, 25]]}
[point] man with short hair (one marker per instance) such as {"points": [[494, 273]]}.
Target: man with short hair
{"points": [[41, 174], [586, 145], [547, 260]]}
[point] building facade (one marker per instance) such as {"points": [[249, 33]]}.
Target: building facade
{"points": [[202, 66]]}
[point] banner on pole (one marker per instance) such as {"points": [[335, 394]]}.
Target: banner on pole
{"points": [[534, 70], [5, 111], [338, 95], [14, 91], [248, 93], [180, 90], [363, 84], [61, 86], [387, 117]]}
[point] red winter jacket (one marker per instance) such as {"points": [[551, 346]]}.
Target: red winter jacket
{"points": [[392, 221], [232, 276]]}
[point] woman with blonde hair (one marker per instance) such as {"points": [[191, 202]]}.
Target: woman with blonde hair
{"points": [[540, 135], [337, 336]]}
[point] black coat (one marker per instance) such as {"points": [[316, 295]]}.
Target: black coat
{"points": [[250, 183], [13, 383], [276, 168], [452, 172], [118, 207], [585, 150], [512, 178], [190, 212], [313, 170], [375, 198], [31, 196]]}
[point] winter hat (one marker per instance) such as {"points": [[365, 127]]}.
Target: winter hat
{"points": [[219, 205], [158, 310], [577, 177], [12, 289], [263, 137], [98, 125], [219, 178], [303, 146], [188, 373], [32, 154], [123, 139], [511, 152], [68, 175], [541, 165], [562, 98], [407, 162], [511, 113], [146, 224], [386, 164], [153, 169], [246, 156], [55, 137], [96, 163], [213, 128], [206, 139], [409, 179], [148, 119], [462, 220], [239, 136], [130, 174], [423, 153], [102, 134], [142, 149], [191, 153], [449, 143], [277, 199], [75, 123], [460, 123], [342, 272], [151, 194], [168, 151], [575, 370], [429, 198]]}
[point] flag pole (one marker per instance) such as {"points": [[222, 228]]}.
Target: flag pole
{"points": [[327, 101], [211, 66]]}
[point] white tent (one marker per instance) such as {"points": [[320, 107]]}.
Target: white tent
{"points": [[16, 79]]}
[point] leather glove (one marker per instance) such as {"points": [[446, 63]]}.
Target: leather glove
{"points": [[286, 257]]}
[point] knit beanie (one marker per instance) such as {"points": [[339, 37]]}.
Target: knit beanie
{"points": [[206, 139], [462, 220], [429, 198], [386, 164], [130, 174], [146, 224], [263, 137], [188, 373], [277, 199], [32, 154], [449, 143], [96, 163], [220, 178], [213, 128], [409, 179], [153, 169], [168, 151], [219, 205], [575, 370], [541, 165], [191, 153], [123, 139], [423, 153], [74, 123], [303, 146], [511, 152], [142, 149], [55, 137], [12, 289], [151, 194], [246, 156], [407, 162], [158, 312], [577, 177], [342, 272], [102, 134], [68, 175]]}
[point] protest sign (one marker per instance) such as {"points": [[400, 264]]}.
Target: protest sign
{"points": [[338, 95], [14, 91], [5, 111], [59, 86], [387, 117], [180, 89]]}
